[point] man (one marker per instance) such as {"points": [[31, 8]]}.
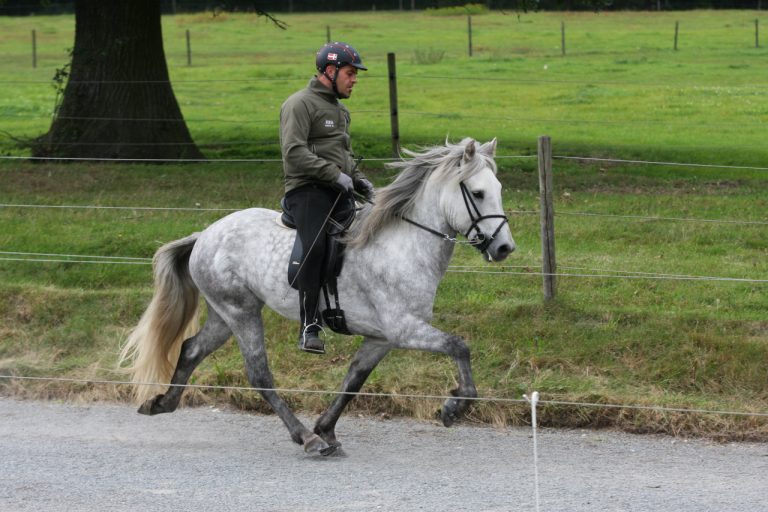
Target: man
{"points": [[319, 169]]}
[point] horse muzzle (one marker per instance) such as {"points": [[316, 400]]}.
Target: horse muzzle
{"points": [[491, 246]]}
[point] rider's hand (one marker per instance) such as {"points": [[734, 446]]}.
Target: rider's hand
{"points": [[344, 182], [364, 188]]}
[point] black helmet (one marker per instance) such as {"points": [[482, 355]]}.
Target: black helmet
{"points": [[339, 54]]}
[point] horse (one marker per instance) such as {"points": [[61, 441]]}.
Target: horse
{"points": [[398, 251]]}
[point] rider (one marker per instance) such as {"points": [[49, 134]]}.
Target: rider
{"points": [[319, 168]]}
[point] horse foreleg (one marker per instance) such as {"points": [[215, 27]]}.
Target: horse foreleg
{"points": [[212, 336], [422, 336], [366, 359], [454, 408]]}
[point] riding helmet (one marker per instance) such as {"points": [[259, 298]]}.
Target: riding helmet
{"points": [[339, 54]]}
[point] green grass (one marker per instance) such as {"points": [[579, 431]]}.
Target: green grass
{"points": [[620, 92]]}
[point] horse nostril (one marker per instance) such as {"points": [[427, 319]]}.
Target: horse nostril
{"points": [[504, 251]]}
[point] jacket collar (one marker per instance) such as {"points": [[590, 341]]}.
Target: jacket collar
{"points": [[318, 88]]}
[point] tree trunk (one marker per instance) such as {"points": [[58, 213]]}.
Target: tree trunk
{"points": [[118, 102]]}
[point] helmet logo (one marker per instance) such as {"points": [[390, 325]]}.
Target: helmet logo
{"points": [[333, 56]]}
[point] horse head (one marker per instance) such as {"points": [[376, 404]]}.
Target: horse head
{"points": [[472, 201]]}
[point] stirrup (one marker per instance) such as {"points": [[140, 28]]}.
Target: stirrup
{"points": [[309, 341]]}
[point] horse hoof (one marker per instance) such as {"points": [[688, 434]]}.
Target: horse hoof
{"points": [[333, 449], [316, 444], [151, 406], [449, 413], [448, 419]]}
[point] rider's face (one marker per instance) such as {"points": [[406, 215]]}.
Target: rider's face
{"points": [[346, 79]]}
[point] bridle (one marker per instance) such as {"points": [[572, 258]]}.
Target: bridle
{"points": [[480, 241]]}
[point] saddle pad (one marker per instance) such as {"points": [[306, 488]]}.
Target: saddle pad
{"points": [[279, 222]]}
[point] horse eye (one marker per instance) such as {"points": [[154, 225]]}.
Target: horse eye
{"points": [[478, 194]]}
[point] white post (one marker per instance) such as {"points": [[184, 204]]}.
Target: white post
{"points": [[534, 400]]}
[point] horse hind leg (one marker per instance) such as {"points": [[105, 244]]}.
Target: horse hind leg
{"points": [[249, 330], [370, 354], [213, 335]]}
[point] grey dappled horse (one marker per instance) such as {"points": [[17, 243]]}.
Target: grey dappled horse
{"points": [[398, 251]]}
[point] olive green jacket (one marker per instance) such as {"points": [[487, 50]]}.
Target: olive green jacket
{"points": [[314, 137]]}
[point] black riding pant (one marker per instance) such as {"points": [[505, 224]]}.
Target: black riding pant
{"points": [[310, 206]]}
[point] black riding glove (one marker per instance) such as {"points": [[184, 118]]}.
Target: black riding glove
{"points": [[344, 183], [364, 188]]}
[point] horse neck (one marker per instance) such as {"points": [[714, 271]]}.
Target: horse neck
{"points": [[429, 247]]}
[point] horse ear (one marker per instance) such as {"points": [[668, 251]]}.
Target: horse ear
{"points": [[489, 148], [469, 151]]}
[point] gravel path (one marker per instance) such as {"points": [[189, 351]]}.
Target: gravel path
{"points": [[64, 457]]}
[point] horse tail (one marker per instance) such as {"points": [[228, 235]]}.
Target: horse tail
{"points": [[152, 348]]}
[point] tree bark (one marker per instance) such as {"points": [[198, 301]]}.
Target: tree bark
{"points": [[118, 102]]}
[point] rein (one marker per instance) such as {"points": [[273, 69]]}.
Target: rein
{"points": [[445, 236]]}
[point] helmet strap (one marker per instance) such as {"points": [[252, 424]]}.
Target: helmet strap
{"points": [[333, 81]]}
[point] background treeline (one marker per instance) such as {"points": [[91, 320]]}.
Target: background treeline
{"points": [[49, 7]]}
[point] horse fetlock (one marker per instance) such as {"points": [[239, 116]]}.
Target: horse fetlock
{"points": [[329, 436], [297, 437], [469, 392], [454, 408]]}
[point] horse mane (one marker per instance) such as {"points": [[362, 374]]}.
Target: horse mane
{"points": [[397, 199]]}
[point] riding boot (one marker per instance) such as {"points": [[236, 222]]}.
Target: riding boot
{"points": [[309, 329]]}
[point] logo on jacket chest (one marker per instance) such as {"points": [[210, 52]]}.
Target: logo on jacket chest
{"points": [[329, 123]]}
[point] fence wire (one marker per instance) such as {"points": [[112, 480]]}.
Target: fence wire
{"points": [[526, 270], [383, 159], [656, 408], [508, 212]]}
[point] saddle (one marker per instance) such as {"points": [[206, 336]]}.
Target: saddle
{"points": [[332, 264]]}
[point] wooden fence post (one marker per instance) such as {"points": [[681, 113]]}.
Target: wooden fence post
{"points": [[677, 29], [469, 33], [34, 49], [757, 33], [393, 105], [562, 37], [548, 264], [189, 49]]}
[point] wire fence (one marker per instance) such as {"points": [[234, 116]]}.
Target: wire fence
{"points": [[593, 273], [386, 159], [639, 218], [518, 270], [373, 75], [403, 112], [505, 400]]}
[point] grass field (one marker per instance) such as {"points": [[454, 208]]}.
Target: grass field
{"points": [[620, 92]]}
